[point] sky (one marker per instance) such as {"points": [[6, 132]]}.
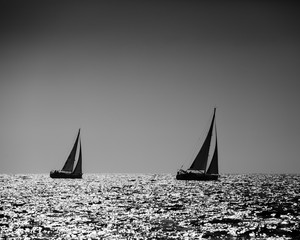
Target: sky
{"points": [[141, 79]]}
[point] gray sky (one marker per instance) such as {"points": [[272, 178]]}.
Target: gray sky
{"points": [[141, 79]]}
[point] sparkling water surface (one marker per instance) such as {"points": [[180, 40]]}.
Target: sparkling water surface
{"points": [[149, 206]]}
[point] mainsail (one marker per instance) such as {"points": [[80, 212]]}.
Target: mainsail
{"points": [[200, 161], [213, 167], [68, 167], [78, 168]]}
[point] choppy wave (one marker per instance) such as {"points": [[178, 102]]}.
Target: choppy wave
{"points": [[149, 206]]}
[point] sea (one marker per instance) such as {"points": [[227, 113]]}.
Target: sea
{"points": [[149, 206]]}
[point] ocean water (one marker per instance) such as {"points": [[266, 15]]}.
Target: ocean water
{"points": [[149, 206]]}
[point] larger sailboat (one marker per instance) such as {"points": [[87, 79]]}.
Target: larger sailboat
{"points": [[197, 170], [67, 170]]}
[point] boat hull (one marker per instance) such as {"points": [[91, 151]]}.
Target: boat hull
{"points": [[197, 176], [58, 174]]}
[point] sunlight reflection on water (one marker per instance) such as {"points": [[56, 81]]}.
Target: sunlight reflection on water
{"points": [[149, 206]]}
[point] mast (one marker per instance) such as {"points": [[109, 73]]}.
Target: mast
{"points": [[68, 167], [200, 161]]}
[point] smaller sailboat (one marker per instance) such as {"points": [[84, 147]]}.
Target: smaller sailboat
{"points": [[67, 170], [198, 170]]}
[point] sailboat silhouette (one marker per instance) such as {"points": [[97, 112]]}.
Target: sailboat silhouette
{"points": [[197, 170], [67, 170]]}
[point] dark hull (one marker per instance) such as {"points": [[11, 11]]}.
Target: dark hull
{"points": [[64, 175], [197, 176]]}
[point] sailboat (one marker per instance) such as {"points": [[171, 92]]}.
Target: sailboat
{"points": [[198, 170], [67, 170]]}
